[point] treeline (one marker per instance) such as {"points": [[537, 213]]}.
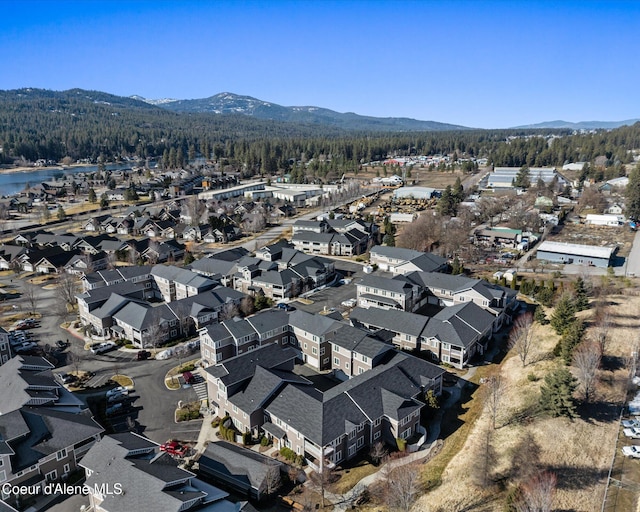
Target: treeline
{"points": [[78, 124]]}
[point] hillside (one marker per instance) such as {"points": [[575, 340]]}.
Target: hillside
{"points": [[228, 103]]}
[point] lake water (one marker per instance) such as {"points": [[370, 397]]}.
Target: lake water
{"points": [[13, 182]]}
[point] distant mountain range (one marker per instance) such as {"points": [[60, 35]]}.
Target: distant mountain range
{"points": [[229, 103], [582, 125]]}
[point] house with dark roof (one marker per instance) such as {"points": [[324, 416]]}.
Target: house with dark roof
{"points": [[402, 261], [146, 479], [407, 328], [355, 351], [39, 445], [333, 236], [219, 342], [310, 334], [388, 293], [5, 347], [176, 283], [248, 473]]}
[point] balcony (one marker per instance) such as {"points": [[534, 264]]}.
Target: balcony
{"points": [[314, 450]]}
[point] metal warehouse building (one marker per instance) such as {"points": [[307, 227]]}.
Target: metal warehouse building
{"points": [[560, 252], [414, 193]]}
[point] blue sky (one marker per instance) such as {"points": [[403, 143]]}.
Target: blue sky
{"points": [[486, 64]]}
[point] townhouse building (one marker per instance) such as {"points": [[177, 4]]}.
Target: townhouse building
{"points": [[146, 479], [5, 347], [310, 334], [398, 260], [219, 342], [388, 293]]}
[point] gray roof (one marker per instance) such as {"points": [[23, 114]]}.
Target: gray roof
{"points": [[268, 320], [398, 253], [242, 367], [359, 341], [312, 236], [246, 467], [400, 322], [385, 283], [325, 417], [16, 384], [313, 324], [145, 478], [459, 324], [49, 431]]}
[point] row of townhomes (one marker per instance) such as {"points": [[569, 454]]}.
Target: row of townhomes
{"points": [[151, 304], [339, 237], [380, 400], [44, 429], [48, 253]]}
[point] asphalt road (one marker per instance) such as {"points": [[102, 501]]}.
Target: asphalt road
{"points": [[152, 405]]}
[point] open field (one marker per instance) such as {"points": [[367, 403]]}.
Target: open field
{"points": [[421, 175], [578, 452]]}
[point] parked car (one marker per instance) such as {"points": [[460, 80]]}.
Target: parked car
{"points": [[143, 355], [349, 303], [25, 347], [630, 423], [165, 354], [103, 347], [633, 432], [114, 409], [188, 377], [631, 451], [62, 344], [120, 390], [345, 280], [121, 397], [174, 448], [66, 378], [285, 306]]}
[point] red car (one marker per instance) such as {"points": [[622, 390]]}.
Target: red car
{"points": [[174, 448]]}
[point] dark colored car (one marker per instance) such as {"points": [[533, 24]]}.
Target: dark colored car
{"points": [[143, 355], [286, 307], [188, 377]]}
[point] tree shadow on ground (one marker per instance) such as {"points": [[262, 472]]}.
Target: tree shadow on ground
{"points": [[599, 410]]}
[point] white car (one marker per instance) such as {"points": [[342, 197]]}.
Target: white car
{"points": [[630, 423], [25, 347], [633, 432], [165, 354], [349, 303], [631, 451], [120, 390], [103, 347]]}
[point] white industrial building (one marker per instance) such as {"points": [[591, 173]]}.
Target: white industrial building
{"points": [[414, 193], [503, 177], [605, 220], [560, 252]]}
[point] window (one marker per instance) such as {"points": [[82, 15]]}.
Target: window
{"points": [[51, 476], [377, 422], [336, 349], [325, 360], [365, 359], [352, 434], [360, 371], [61, 454], [67, 468], [321, 351], [352, 451], [360, 442], [235, 409], [305, 346], [346, 365], [376, 435], [336, 361], [314, 351]]}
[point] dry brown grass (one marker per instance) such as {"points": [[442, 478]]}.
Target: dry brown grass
{"points": [[578, 451]]}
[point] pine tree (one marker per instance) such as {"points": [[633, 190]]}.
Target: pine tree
{"points": [[556, 394], [564, 314], [581, 301], [91, 196], [61, 214], [571, 339], [540, 316], [633, 195]]}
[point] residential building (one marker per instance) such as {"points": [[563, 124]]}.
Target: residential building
{"points": [[311, 334], [125, 472], [398, 260], [388, 293], [5, 347]]}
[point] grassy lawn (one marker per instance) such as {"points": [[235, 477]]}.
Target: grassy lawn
{"points": [[122, 380], [351, 475]]}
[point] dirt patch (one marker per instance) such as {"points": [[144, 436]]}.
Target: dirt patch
{"points": [[579, 452], [600, 236]]}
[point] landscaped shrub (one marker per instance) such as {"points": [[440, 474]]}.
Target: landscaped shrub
{"points": [[264, 441], [215, 423], [246, 438], [532, 377], [300, 460], [187, 368], [402, 444], [288, 453]]}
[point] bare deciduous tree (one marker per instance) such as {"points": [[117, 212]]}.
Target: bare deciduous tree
{"points": [[522, 336], [537, 493], [600, 331], [404, 488], [378, 452], [633, 358], [67, 287], [586, 361], [229, 310], [31, 294], [495, 389], [247, 306], [272, 479], [320, 480]]}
